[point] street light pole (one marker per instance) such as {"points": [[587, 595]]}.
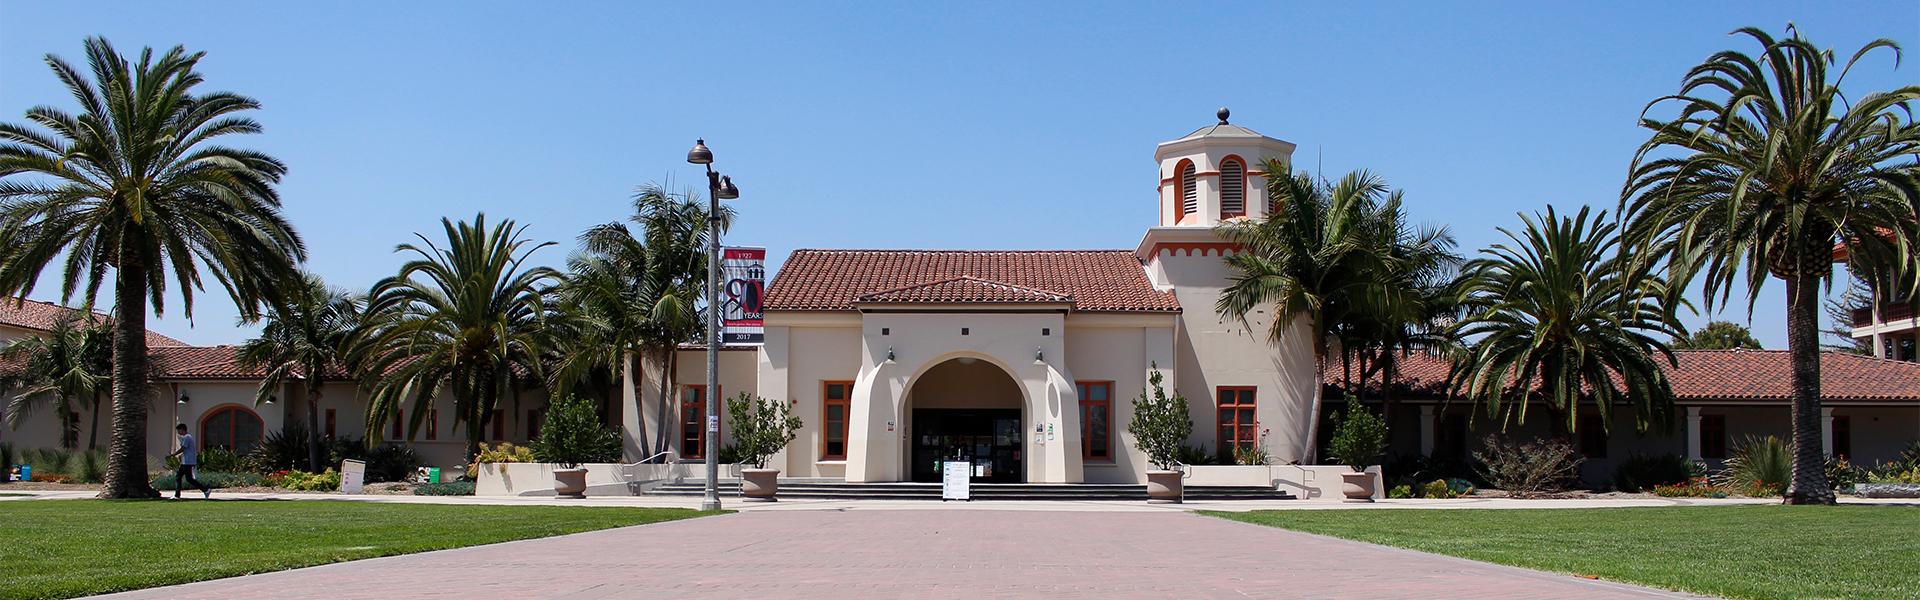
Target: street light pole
{"points": [[718, 188]]}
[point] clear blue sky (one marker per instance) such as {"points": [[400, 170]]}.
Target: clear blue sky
{"points": [[917, 125]]}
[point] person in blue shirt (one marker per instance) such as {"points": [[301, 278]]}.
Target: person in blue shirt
{"points": [[189, 454]]}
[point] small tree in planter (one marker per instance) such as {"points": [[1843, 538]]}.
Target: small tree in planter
{"points": [[1160, 426], [1359, 440], [761, 428], [573, 435]]}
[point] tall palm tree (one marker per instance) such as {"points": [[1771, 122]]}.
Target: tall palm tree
{"points": [[1765, 168], [1558, 315], [304, 339], [643, 291], [1308, 260], [67, 367], [468, 318], [138, 183], [1410, 300]]}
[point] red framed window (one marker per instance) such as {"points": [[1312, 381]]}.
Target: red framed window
{"points": [[1842, 436], [331, 420], [1239, 423], [836, 405], [433, 424], [233, 428], [693, 416], [499, 418], [1713, 436], [399, 425], [1096, 420], [1593, 436], [533, 424]]}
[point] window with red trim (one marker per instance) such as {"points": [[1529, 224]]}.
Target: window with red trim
{"points": [[1713, 436], [1842, 436], [232, 428], [1239, 423], [1233, 188], [1593, 436], [1096, 420], [836, 405], [330, 422]]}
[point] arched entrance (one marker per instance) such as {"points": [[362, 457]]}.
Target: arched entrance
{"points": [[966, 409]]}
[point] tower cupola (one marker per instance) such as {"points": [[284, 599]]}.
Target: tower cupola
{"points": [[1216, 174]]}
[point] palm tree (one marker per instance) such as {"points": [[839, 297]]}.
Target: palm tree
{"points": [[640, 293], [137, 183], [469, 318], [1559, 315], [68, 367], [1410, 302], [305, 338], [1309, 260], [1768, 166]]}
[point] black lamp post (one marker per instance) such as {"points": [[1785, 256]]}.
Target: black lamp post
{"points": [[719, 188]]}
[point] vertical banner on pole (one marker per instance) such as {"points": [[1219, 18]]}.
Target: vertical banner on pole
{"points": [[743, 281]]}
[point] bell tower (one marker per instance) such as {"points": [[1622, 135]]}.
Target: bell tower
{"points": [[1215, 174]]}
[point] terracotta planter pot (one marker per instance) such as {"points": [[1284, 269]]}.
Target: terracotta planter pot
{"points": [[759, 485], [570, 483], [1358, 487], [1163, 487]]}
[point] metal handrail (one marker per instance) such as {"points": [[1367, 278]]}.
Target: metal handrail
{"points": [[649, 460]]}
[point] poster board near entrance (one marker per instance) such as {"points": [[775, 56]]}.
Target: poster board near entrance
{"points": [[955, 476]]}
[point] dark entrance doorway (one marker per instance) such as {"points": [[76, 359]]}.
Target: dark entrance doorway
{"points": [[987, 437]]}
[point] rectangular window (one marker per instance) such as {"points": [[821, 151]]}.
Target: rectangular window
{"points": [[399, 425], [499, 418], [433, 424], [1713, 436], [1593, 436], [330, 422], [1239, 427], [533, 424], [1096, 420], [1842, 436], [836, 404], [693, 417]]}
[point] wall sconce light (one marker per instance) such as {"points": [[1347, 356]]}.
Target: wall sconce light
{"points": [[1038, 358], [183, 399], [889, 353]]}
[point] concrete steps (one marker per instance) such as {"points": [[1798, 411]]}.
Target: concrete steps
{"points": [[830, 490]]}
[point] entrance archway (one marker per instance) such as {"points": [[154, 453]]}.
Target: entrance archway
{"points": [[966, 409]]}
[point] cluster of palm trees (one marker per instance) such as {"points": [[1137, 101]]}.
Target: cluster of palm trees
{"points": [[137, 190], [1765, 168]]}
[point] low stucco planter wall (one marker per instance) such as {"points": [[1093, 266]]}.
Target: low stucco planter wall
{"points": [[603, 479], [1887, 490], [1321, 482], [1203, 475]]}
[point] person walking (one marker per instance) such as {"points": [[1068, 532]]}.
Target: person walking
{"points": [[189, 453]]}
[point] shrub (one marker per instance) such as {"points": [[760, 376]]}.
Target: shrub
{"points": [[1696, 487], [1759, 466], [213, 479], [573, 435], [324, 481], [761, 428], [506, 452], [1893, 474], [283, 449], [1411, 469], [7, 457], [1401, 491], [1359, 437], [1195, 455], [91, 467], [218, 459], [1256, 455], [1640, 472], [1841, 475], [391, 462], [450, 488], [1532, 468], [48, 462], [1161, 424]]}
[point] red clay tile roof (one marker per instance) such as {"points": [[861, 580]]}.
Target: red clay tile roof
{"points": [[1093, 280], [210, 362], [965, 290], [41, 316], [1712, 375]]}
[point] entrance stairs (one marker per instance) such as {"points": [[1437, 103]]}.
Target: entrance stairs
{"points": [[827, 489]]}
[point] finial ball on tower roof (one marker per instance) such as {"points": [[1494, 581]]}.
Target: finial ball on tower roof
{"points": [[1223, 115]]}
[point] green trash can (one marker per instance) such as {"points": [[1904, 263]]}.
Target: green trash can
{"points": [[433, 474]]}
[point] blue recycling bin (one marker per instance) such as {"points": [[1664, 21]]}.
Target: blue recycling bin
{"points": [[26, 472]]}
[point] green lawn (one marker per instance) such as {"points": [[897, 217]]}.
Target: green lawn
{"points": [[1735, 551], [65, 548]]}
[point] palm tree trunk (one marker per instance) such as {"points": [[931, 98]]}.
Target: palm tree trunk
{"points": [[93, 429], [1307, 454], [313, 422], [1809, 483], [672, 361], [127, 455], [629, 400], [69, 427]]}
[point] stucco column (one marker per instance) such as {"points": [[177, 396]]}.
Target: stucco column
{"points": [[1693, 433], [1826, 430], [1879, 345], [1426, 429]]}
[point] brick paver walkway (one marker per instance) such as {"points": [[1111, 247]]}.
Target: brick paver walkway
{"points": [[917, 554]]}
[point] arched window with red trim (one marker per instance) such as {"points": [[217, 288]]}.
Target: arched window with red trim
{"points": [[231, 427], [1188, 178], [1233, 188]]}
